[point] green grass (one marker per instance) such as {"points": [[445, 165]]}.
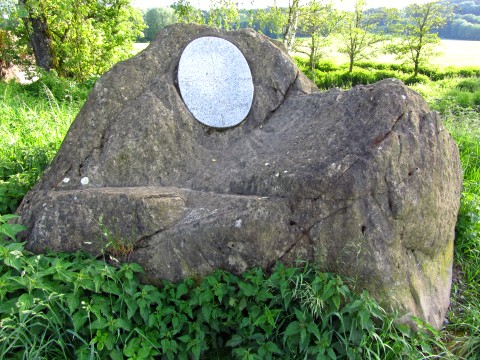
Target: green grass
{"points": [[33, 122], [64, 306]]}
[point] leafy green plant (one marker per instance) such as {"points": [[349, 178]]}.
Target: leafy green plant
{"points": [[71, 305], [7, 229]]}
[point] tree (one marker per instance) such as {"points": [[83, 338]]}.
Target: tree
{"points": [[281, 21], [291, 24], [7, 8], [360, 31], [416, 31], [38, 30], [187, 13], [318, 19], [78, 39], [223, 14], [156, 19]]}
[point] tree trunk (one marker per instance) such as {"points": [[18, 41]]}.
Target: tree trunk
{"points": [[40, 38], [350, 68], [291, 26], [312, 56]]}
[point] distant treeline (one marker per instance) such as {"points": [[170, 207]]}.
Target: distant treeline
{"points": [[465, 25]]}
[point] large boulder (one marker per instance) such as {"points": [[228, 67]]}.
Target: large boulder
{"points": [[364, 182]]}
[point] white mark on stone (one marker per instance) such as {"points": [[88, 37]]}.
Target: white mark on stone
{"points": [[214, 160], [87, 242], [238, 223], [277, 174], [198, 214], [266, 164], [66, 180], [404, 97], [84, 180], [286, 171]]}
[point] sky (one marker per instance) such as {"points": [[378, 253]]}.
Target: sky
{"points": [[344, 4]]}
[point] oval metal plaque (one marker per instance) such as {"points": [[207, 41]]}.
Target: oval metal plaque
{"points": [[215, 82]]}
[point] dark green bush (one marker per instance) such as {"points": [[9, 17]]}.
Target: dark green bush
{"points": [[419, 79], [471, 85], [476, 98]]}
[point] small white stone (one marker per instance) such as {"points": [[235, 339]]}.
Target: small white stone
{"points": [[277, 174], [404, 97], [84, 180], [286, 171], [66, 180], [238, 223], [266, 164], [214, 160]]}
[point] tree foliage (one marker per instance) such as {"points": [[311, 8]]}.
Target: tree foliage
{"points": [[156, 19], [360, 31], [465, 24], [318, 19], [281, 21], [223, 14], [84, 38], [187, 13], [416, 31]]}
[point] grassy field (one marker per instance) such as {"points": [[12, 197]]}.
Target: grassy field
{"points": [[459, 53], [65, 306]]}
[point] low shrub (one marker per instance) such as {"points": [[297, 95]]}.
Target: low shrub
{"points": [[66, 306], [419, 79], [471, 85]]}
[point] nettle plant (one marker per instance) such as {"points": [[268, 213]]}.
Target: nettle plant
{"points": [[66, 306]]}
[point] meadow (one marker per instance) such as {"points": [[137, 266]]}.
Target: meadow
{"points": [[458, 53], [65, 306]]}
